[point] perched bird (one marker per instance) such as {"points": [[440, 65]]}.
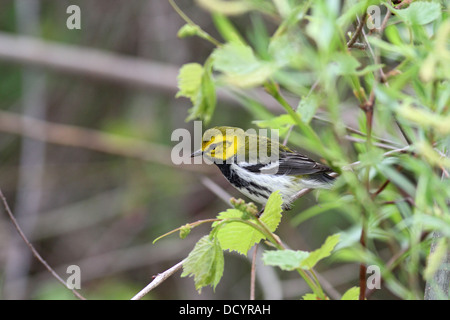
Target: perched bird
{"points": [[257, 165]]}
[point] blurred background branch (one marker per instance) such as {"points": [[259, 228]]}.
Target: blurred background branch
{"points": [[32, 159]]}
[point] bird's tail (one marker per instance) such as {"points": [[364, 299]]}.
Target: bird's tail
{"points": [[324, 178]]}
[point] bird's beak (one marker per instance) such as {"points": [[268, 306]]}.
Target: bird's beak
{"points": [[197, 153]]}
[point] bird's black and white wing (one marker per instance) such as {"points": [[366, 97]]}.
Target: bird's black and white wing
{"points": [[289, 163]]}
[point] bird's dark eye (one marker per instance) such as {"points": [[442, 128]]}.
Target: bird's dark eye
{"points": [[213, 146]]}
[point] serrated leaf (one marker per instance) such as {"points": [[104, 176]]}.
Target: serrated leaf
{"points": [[284, 259], [272, 211], [196, 83], [351, 294], [419, 12], [321, 253], [189, 80], [241, 237], [290, 260], [205, 263], [237, 236], [240, 66]]}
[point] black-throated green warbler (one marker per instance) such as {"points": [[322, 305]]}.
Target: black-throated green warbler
{"points": [[257, 165]]}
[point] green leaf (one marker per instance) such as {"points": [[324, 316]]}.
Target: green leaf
{"points": [[371, 158], [351, 294], [227, 29], [284, 259], [282, 123], [310, 296], [205, 263], [346, 64], [307, 108], [286, 50], [425, 118], [290, 260], [189, 80], [397, 178], [208, 96], [196, 83], [272, 211], [321, 253], [236, 236], [239, 236], [419, 12], [393, 35], [240, 66]]}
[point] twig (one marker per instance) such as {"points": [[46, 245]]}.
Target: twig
{"points": [[188, 20], [33, 250], [253, 273], [380, 189], [160, 278], [358, 31], [362, 266]]}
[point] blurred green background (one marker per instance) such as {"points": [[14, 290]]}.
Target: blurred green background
{"points": [[91, 181]]}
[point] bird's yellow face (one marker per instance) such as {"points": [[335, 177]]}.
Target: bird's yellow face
{"points": [[221, 143]]}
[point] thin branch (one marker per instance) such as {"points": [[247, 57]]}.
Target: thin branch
{"points": [[33, 250], [380, 189], [362, 266], [358, 31], [188, 20], [253, 272], [160, 278]]}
